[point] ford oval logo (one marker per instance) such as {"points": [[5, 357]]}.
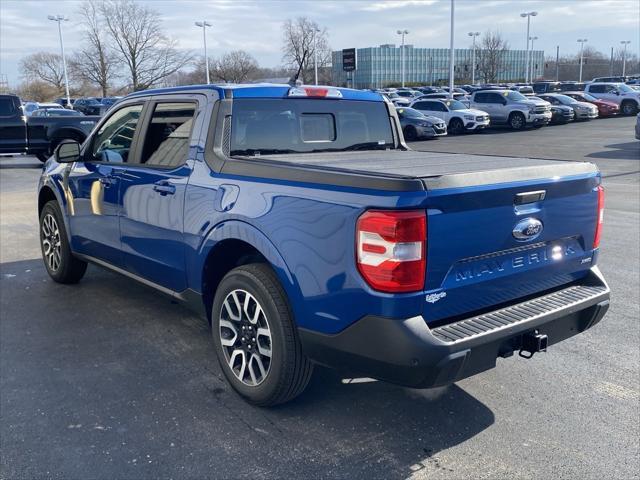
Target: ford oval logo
{"points": [[527, 229]]}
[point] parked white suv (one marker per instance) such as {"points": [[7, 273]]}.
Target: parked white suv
{"points": [[512, 108], [619, 93], [458, 117]]}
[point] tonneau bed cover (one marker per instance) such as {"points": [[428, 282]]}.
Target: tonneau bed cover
{"points": [[436, 170]]}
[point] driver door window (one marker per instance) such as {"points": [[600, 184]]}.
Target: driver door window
{"points": [[112, 143]]}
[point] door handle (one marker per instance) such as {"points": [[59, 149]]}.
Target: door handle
{"points": [[164, 188]]}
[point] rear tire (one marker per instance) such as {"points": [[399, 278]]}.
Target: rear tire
{"points": [[42, 156], [60, 263], [410, 134], [456, 127], [251, 320], [629, 108], [517, 121]]}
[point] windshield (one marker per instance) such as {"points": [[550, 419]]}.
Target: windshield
{"points": [[565, 99], [455, 105], [625, 88], [409, 113], [271, 126], [59, 112], [589, 97], [515, 96]]}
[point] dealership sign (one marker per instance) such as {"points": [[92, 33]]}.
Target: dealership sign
{"points": [[349, 61]]}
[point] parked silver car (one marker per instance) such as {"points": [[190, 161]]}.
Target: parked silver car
{"points": [[583, 110]]}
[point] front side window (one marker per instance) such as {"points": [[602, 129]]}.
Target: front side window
{"points": [[166, 143], [112, 142], [268, 126]]}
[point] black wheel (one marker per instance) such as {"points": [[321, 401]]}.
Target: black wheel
{"points": [[629, 108], [60, 263], [410, 134], [255, 339], [456, 126], [517, 121], [42, 156]]}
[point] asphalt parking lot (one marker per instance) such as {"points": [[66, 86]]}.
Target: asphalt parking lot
{"points": [[108, 379]]}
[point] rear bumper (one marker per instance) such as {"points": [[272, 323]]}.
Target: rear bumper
{"points": [[408, 352]]}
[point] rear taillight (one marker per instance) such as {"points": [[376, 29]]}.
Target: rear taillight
{"points": [[596, 238], [391, 249]]}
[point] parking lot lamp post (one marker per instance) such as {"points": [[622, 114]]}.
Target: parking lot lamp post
{"points": [[473, 35], [528, 15], [403, 33], [624, 55], [452, 56], [581, 41], [204, 26], [533, 72], [60, 19], [316, 31]]}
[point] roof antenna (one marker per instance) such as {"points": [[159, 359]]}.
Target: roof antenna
{"points": [[295, 81]]}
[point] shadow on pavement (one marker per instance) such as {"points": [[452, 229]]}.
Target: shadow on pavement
{"points": [[112, 378], [620, 151]]}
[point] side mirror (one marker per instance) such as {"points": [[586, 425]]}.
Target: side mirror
{"points": [[616, 92], [67, 151]]}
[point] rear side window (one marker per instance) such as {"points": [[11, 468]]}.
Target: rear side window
{"points": [[7, 107], [166, 143], [480, 98], [271, 126], [596, 88]]}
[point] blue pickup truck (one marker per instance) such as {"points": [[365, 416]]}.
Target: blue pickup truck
{"points": [[298, 222]]}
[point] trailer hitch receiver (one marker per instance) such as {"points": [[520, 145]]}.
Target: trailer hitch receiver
{"points": [[532, 343]]}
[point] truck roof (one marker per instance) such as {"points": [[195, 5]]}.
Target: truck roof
{"points": [[258, 90]]}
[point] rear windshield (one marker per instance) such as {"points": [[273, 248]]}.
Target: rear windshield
{"points": [[271, 126]]}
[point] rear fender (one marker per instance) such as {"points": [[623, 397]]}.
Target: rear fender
{"points": [[239, 230]]}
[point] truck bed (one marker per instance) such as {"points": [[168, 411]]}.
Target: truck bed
{"points": [[436, 170]]}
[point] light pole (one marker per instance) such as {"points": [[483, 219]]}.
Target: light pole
{"points": [[528, 15], [624, 55], [581, 41], [204, 24], [60, 19], [403, 33], [532, 73], [473, 35], [452, 56], [316, 31]]}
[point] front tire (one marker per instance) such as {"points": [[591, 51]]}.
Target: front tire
{"points": [[517, 121], [42, 156], [410, 134], [255, 338], [60, 263], [629, 108], [456, 127]]}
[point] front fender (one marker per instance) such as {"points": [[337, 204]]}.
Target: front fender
{"points": [[54, 178]]}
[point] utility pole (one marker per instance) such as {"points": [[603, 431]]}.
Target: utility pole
{"points": [[624, 55], [473, 35], [611, 64], [581, 41], [452, 56], [316, 31], [557, 63], [60, 19], [204, 26], [403, 33]]}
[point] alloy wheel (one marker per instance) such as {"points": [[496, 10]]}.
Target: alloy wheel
{"points": [[51, 245], [245, 337]]}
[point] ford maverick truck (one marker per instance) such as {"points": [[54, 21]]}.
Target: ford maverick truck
{"points": [[297, 221]]}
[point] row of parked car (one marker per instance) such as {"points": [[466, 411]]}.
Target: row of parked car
{"points": [[428, 112], [61, 107]]}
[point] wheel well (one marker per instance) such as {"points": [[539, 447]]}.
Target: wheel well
{"points": [[224, 257], [67, 133], [45, 195]]}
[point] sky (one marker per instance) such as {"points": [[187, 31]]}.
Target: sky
{"points": [[256, 26]]}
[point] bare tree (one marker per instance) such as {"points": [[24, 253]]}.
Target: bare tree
{"points": [[37, 91], [43, 67], [95, 64], [148, 54], [234, 67], [491, 56], [298, 38]]}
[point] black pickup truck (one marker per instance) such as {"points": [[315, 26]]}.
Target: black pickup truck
{"points": [[38, 135]]}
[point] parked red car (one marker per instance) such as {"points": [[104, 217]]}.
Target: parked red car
{"points": [[605, 108]]}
